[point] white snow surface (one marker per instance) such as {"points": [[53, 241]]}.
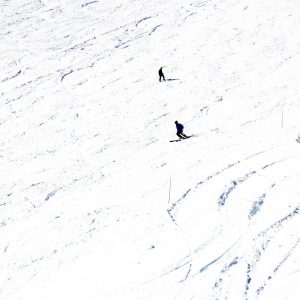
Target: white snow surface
{"points": [[96, 203]]}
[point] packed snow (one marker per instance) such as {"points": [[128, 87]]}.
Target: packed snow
{"points": [[96, 203]]}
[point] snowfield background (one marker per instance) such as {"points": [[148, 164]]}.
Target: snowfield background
{"points": [[96, 203]]}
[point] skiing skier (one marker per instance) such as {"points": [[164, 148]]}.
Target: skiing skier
{"points": [[180, 133], [161, 75]]}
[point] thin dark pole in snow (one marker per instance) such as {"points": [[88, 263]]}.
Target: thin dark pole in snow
{"points": [[170, 190], [282, 116]]}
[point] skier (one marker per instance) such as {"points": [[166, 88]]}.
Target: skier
{"points": [[161, 75], [180, 133]]}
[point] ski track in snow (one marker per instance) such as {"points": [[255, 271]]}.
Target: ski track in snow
{"points": [[232, 186], [251, 258], [265, 238], [84, 124], [254, 210], [277, 267]]}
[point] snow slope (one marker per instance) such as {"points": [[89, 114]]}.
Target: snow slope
{"points": [[96, 203]]}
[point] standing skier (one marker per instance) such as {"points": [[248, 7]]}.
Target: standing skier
{"points": [[180, 133], [161, 75]]}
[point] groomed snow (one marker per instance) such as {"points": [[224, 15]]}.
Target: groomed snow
{"points": [[96, 203]]}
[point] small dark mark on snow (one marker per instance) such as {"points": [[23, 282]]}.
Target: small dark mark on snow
{"points": [[192, 14], [66, 74], [11, 77], [269, 165], [88, 3], [51, 194], [82, 82], [178, 201], [140, 21], [226, 268], [209, 264], [256, 206], [154, 29], [169, 211], [232, 263], [35, 184], [248, 280], [187, 274], [279, 223], [222, 199]]}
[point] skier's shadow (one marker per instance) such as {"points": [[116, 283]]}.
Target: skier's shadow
{"points": [[172, 79]]}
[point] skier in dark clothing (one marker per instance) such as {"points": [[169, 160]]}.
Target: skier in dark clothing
{"points": [[180, 133], [161, 75]]}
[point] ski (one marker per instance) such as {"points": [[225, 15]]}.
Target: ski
{"points": [[180, 139]]}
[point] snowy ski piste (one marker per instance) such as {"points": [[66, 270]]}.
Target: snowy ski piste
{"points": [[97, 203]]}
